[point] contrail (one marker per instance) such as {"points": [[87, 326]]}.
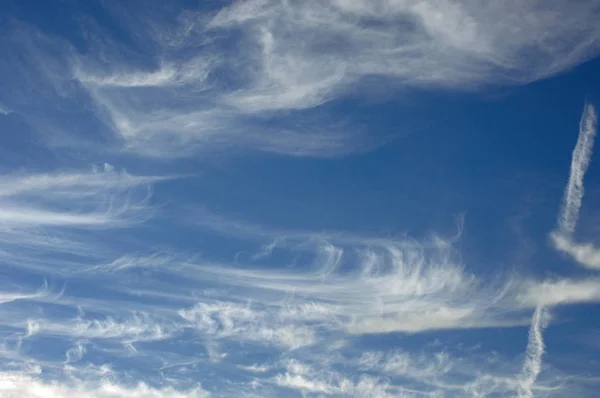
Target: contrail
{"points": [[535, 349], [582, 155], [562, 238]]}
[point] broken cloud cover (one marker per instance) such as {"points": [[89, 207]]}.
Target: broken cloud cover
{"points": [[339, 198]]}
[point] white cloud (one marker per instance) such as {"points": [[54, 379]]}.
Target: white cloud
{"points": [[283, 328], [535, 350], [139, 327], [228, 320], [417, 321], [304, 378], [404, 364], [586, 254], [414, 43], [65, 213], [163, 319], [379, 289], [193, 72], [76, 353], [7, 297], [296, 56], [582, 155], [562, 291], [255, 368], [400, 374], [189, 92], [66, 185], [99, 198], [18, 386], [131, 261]]}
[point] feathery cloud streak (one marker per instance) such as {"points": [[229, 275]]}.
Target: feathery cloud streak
{"points": [[202, 312], [177, 87], [68, 214], [95, 199]]}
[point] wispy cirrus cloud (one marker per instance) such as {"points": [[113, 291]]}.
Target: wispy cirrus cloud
{"points": [[419, 43], [226, 320], [7, 297], [94, 199], [293, 57], [402, 374], [367, 290], [143, 307], [273, 327], [304, 378], [138, 327], [174, 89], [293, 331], [55, 211]]}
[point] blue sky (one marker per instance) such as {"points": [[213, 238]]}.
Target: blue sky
{"points": [[339, 198]]}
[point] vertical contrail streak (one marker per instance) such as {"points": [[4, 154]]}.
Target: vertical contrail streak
{"points": [[585, 254], [535, 350], [582, 154]]}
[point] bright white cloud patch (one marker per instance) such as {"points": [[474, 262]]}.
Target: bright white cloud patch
{"points": [[16, 386]]}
